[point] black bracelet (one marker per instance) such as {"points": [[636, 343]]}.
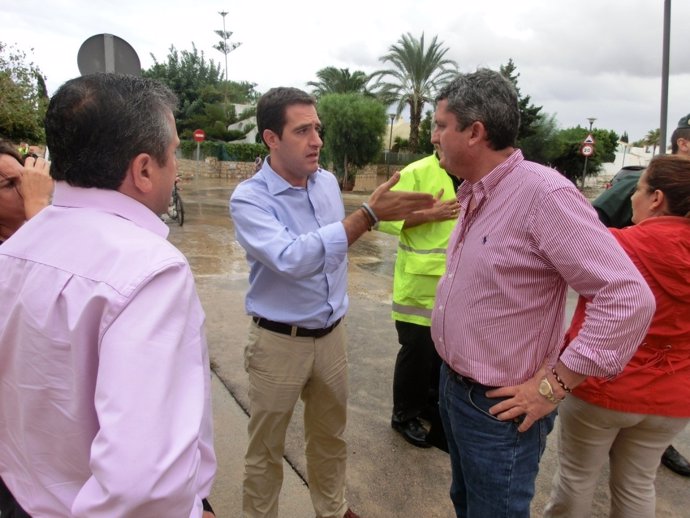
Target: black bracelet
{"points": [[560, 381], [207, 506], [370, 223], [370, 212]]}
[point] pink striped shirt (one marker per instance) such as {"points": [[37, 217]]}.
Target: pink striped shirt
{"points": [[500, 306]]}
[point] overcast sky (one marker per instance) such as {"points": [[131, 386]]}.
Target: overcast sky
{"points": [[576, 58]]}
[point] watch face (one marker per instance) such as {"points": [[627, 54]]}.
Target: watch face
{"points": [[545, 388]]}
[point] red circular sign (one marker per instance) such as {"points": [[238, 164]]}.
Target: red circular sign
{"points": [[587, 149], [199, 135]]}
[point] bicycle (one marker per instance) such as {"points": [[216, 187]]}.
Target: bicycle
{"points": [[176, 207]]}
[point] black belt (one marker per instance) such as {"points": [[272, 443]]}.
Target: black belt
{"points": [[287, 329], [465, 380]]}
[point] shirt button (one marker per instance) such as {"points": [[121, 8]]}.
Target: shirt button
{"points": [[440, 307]]}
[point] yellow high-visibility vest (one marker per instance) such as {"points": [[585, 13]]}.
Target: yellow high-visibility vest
{"points": [[421, 254]]}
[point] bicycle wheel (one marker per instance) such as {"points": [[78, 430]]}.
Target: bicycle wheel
{"points": [[172, 208], [179, 209]]}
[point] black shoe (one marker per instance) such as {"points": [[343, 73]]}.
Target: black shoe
{"points": [[412, 431], [674, 461]]}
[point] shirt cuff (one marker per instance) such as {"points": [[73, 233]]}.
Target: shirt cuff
{"points": [[334, 241]]}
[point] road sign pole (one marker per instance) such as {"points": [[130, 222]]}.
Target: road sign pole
{"points": [[198, 159], [199, 136]]}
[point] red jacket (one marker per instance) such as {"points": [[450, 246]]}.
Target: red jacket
{"points": [[657, 378]]}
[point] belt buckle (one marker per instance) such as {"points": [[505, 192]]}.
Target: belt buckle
{"points": [[293, 331]]}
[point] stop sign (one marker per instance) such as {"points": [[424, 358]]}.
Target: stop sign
{"points": [[199, 135]]}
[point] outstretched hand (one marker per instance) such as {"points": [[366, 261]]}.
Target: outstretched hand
{"points": [[443, 210], [397, 205]]}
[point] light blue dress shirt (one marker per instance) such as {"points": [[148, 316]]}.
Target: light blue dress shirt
{"points": [[296, 247]]}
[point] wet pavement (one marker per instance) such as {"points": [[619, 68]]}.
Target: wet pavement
{"points": [[387, 477]]}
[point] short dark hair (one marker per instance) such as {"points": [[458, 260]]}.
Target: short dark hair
{"points": [[488, 97], [270, 110], [683, 133], [96, 124], [670, 174]]}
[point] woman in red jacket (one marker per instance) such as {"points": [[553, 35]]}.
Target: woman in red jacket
{"points": [[632, 418]]}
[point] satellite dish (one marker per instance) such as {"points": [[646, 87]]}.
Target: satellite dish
{"points": [[107, 53]]}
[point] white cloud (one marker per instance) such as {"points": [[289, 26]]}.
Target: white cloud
{"points": [[577, 58]]}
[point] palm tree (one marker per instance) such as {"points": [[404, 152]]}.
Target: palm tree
{"points": [[653, 138], [415, 76], [339, 81]]}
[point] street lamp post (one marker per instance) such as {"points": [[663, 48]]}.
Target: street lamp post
{"points": [[225, 43], [390, 146], [226, 48], [584, 169]]}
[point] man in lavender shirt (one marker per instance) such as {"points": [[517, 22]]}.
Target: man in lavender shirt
{"points": [[525, 234], [105, 381]]}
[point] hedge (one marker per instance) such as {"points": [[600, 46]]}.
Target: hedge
{"points": [[240, 152]]}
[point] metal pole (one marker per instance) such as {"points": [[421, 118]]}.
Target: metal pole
{"points": [[584, 169], [664, 77], [584, 172], [390, 145], [625, 149], [198, 159]]}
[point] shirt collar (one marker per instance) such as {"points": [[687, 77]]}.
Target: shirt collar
{"points": [[276, 183], [110, 201], [483, 187]]}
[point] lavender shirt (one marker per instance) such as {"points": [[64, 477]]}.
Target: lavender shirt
{"points": [[104, 372], [500, 306]]}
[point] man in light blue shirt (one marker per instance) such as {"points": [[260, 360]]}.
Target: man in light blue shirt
{"points": [[291, 221]]}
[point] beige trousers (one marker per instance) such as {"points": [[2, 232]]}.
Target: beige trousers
{"points": [[282, 368], [633, 444]]}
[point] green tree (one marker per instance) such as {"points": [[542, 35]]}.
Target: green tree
{"points": [[400, 145], [354, 125], [23, 96], [415, 75], [530, 115], [567, 157], [537, 134], [425, 128], [205, 100], [652, 138], [541, 146], [339, 81]]}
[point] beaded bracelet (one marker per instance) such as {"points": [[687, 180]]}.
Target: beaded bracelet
{"points": [[560, 381]]}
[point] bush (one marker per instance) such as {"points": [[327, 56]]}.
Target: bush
{"points": [[240, 152]]}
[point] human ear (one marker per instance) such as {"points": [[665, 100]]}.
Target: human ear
{"points": [[141, 170], [270, 137], [478, 131], [658, 201]]}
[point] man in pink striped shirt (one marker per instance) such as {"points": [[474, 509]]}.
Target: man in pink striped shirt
{"points": [[524, 236]]}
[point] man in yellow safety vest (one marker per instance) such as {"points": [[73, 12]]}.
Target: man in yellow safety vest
{"points": [[421, 260]]}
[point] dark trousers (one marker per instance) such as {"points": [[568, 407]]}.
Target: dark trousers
{"points": [[9, 508], [415, 379]]}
